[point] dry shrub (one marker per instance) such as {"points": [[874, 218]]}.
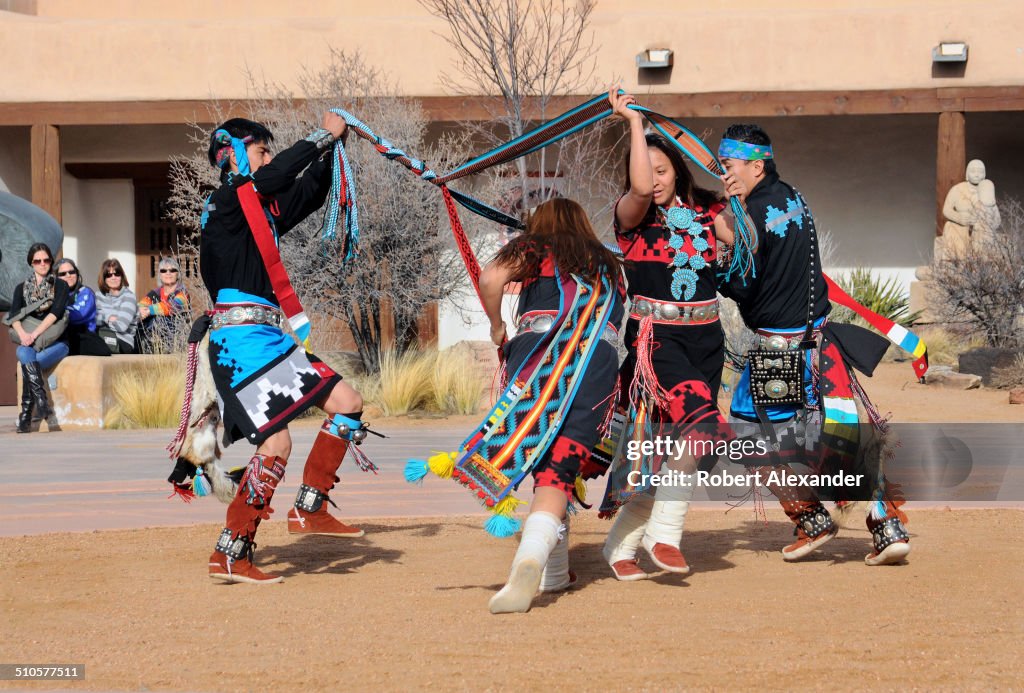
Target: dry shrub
{"points": [[945, 344], [457, 390], [148, 397], [423, 381], [981, 284], [1010, 376]]}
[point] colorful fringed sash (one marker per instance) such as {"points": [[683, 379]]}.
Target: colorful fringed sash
{"points": [[521, 427]]}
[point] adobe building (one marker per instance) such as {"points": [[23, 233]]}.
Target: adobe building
{"points": [[872, 118]]}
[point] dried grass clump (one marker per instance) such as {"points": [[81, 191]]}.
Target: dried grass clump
{"points": [[1010, 376], [148, 397]]}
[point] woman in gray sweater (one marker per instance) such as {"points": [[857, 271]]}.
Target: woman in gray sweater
{"points": [[116, 308]]}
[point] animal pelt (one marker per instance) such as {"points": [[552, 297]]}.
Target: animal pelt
{"points": [[200, 446]]}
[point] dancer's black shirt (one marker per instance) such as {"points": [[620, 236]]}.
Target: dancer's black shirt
{"points": [[777, 296], [228, 254]]}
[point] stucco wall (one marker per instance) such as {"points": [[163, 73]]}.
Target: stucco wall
{"points": [[99, 222], [16, 161], [124, 50]]}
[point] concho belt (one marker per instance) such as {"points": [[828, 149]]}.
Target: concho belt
{"points": [[543, 320], [781, 342], [671, 313], [245, 314]]}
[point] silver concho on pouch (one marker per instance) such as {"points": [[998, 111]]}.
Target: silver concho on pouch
{"points": [[776, 373]]}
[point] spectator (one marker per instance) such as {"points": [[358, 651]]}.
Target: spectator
{"points": [[37, 319], [164, 310], [117, 314], [81, 333]]}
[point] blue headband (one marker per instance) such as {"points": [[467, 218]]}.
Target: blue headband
{"points": [[224, 138], [734, 149]]}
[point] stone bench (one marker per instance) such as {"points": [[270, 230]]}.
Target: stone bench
{"points": [[82, 387]]}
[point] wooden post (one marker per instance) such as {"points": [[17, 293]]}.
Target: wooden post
{"points": [[46, 169], [951, 160]]}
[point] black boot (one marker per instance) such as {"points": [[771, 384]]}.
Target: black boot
{"points": [[25, 417], [38, 389]]}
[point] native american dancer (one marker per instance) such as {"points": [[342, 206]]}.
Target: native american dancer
{"points": [[668, 230], [263, 379], [816, 420], [562, 369]]}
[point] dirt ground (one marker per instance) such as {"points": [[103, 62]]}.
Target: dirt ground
{"points": [[405, 608]]}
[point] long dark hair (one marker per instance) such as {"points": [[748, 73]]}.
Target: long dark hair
{"points": [[686, 189], [559, 228]]}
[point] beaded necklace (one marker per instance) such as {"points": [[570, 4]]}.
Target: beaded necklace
{"points": [[682, 221]]}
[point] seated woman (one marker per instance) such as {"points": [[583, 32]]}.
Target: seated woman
{"points": [[37, 306], [164, 310], [81, 333], [117, 314]]}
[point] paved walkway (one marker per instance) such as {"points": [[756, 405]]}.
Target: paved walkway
{"points": [[86, 481]]}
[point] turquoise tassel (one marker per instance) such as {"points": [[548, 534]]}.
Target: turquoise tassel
{"points": [[415, 470], [200, 484], [502, 526]]}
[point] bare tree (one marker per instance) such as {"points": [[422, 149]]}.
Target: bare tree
{"points": [[981, 285], [528, 52], [405, 259]]}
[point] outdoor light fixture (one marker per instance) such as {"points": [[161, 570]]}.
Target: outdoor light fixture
{"points": [[949, 52], [654, 58]]}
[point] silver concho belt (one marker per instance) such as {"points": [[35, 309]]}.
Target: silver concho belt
{"points": [[780, 342], [542, 321], [248, 314], [670, 313]]}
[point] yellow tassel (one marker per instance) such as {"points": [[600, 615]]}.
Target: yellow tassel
{"points": [[443, 464], [581, 489], [507, 506]]}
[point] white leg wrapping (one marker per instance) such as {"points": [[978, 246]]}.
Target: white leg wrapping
{"points": [[540, 535], [556, 572], [668, 514], [624, 538]]}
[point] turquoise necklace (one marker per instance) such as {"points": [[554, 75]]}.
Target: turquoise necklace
{"points": [[682, 221]]}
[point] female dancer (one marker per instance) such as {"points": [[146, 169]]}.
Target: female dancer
{"points": [[668, 230], [572, 290]]}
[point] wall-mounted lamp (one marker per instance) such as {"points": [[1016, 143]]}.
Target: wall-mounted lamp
{"points": [[950, 52], [654, 58]]}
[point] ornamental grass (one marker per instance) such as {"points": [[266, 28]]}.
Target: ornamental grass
{"points": [[148, 397]]}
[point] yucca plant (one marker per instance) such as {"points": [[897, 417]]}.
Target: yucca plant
{"points": [[885, 297]]}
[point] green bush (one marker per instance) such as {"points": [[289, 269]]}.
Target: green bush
{"points": [[887, 298]]}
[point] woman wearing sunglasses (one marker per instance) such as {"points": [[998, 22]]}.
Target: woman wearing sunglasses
{"points": [[37, 311], [117, 312], [164, 309], [81, 333]]}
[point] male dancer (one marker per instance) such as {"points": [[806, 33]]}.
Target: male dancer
{"points": [[787, 305], [264, 379]]}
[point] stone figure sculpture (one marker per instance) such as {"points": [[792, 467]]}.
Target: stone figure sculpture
{"points": [[21, 225]]}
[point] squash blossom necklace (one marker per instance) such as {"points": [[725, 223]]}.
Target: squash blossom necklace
{"points": [[682, 221]]}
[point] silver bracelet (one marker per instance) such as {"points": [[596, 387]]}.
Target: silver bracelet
{"points": [[321, 137]]}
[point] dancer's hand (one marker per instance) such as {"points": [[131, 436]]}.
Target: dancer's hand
{"points": [[734, 187], [334, 124], [620, 105], [498, 333]]}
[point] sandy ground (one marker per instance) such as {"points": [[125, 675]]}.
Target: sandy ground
{"points": [[405, 607]]}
